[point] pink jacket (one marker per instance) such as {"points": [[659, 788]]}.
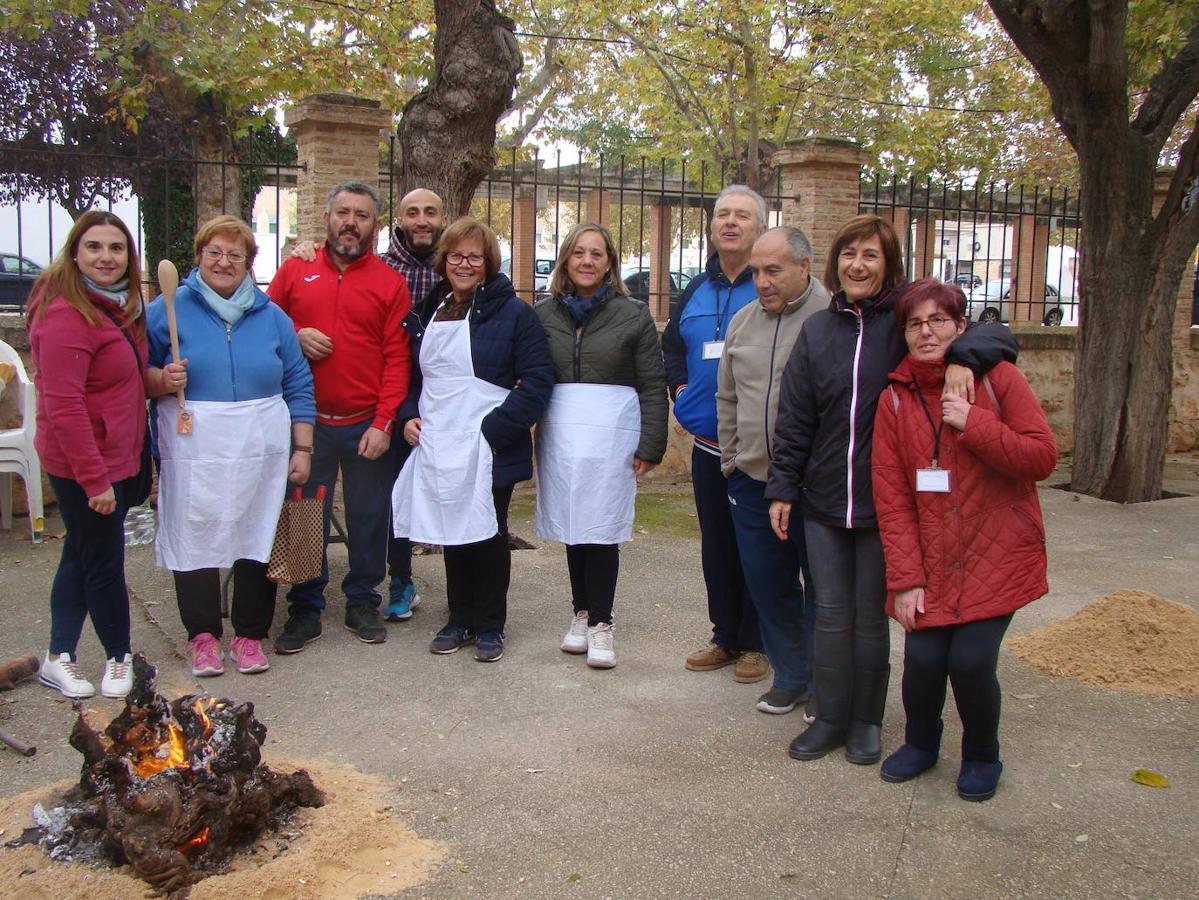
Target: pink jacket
{"points": [[91, 402]]}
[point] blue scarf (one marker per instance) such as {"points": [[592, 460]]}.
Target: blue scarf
{"points": [[116, 295], [233, 308], [580, 307]]}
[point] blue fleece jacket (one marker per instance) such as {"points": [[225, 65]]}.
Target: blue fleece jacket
{"points": [[703, 314], [258, 357]]}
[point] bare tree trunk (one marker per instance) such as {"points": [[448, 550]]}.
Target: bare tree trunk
{"points": [[1132, 257], [447, 134], [218, 180]]}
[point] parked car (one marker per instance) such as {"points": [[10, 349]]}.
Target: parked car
{"points": [[637, 281], [17, 275], [992, 303], [543, 269], [967, 282]]}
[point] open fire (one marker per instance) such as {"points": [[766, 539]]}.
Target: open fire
{"points": [[172, 788]]}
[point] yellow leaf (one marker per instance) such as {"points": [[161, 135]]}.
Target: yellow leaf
{"points": [[1149, 778]]}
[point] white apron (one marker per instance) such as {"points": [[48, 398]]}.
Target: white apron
{"points": [[443, 493], [586, 486], [221, 487]]}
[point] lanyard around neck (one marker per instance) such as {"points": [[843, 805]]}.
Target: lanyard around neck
{"points": [[936, 427]]}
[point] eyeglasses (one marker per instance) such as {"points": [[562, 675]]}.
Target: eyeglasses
{"points": [[212, 254], [471, 259], [937, 323]]}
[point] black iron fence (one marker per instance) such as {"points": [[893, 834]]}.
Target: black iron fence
{"points": [[1012, 250]]}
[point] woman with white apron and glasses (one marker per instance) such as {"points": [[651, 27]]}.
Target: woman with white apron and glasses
{"points": [[221, 486], [485, 379], [606, 425]]}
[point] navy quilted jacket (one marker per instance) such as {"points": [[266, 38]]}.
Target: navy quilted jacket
{"points": [[509, 349], [979, 550]]}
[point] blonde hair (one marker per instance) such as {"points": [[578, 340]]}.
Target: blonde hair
{"points": [[62, 277], [561, 284], [226, 226], [461, 230]]}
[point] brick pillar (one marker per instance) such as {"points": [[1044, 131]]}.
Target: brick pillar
{"points": [[1031, 239], [820, 188], [337, 139], [924, 249], [598, 207], [524, 243], [659, 260]]}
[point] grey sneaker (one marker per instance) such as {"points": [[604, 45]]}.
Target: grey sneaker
{"points": [[780, 701], [364, 621]]}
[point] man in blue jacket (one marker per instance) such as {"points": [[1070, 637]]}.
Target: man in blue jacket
{"points": [[692, 346]]}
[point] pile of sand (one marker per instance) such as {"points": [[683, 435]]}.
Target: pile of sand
{"points": [[1126, 641], [351, 846]]}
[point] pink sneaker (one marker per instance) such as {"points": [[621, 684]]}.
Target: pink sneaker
{"points": [[249, 655], [206, 655]]}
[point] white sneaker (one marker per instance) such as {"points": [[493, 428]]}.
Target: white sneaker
{"points": [[60, 673], [576, 638], [118, 677], [601, 654]]}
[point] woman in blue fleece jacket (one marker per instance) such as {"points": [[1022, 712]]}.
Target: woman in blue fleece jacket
{"points": [[250, 392]]}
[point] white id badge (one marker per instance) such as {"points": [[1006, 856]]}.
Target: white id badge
{"points": [[713, 349], [932, 481]]}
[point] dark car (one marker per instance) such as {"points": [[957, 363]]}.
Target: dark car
{"points": [[967, 282], [17, 275], [637, 282]]}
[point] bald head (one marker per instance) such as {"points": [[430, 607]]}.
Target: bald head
{"points": [[422, 220]]}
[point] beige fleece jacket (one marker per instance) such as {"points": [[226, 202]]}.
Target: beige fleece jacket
{"points": [[756, 348]]}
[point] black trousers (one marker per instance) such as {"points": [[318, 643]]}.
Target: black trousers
{"points": [[399, 549], [593, 570], [967, 655], [477, 575], [198, 593], [730, 608]]}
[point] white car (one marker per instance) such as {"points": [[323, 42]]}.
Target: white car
{"points": [[992, 302]]}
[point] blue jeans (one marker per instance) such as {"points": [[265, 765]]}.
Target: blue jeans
{"points": [[366, 490], [772, 570], [90, 580]]}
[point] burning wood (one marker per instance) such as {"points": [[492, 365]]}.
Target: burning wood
{"points": [[171, 788]]}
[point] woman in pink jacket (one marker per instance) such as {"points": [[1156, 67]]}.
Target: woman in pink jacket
{"points": [[88, 339], [955, 487]]}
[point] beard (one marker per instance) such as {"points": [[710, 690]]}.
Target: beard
{"points": [[350, 251], [422, 243]]}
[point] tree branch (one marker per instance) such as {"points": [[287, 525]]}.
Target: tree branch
{"points": [[1170, 93]]}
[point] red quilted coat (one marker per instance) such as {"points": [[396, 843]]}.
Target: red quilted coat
{"points": [[979, 550]]}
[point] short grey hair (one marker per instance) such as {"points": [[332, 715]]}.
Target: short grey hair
{"points": [[801, 247], [740, 189], [355, 187]]}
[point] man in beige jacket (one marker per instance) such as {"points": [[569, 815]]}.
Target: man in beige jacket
{"points": [[757, 347]]}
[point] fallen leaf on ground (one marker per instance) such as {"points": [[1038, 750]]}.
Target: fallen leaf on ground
{"points": [[1149, 778]]}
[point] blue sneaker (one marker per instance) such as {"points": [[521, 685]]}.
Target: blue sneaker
{"points": [[451, 639], [490, 646], [403, 599]]}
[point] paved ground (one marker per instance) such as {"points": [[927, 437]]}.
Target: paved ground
{"points": [[545, 778]]}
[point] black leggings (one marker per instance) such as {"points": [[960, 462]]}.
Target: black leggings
{"points": [[253, 609], [968, 655], [477, 575], [593, 570]]}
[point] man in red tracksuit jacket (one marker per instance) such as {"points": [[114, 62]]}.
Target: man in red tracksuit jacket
{"points": [[347, 306]]}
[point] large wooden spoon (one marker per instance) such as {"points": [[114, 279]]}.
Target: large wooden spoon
{"points": [[168, 281]]}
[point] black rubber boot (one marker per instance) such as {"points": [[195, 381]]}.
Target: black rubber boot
{"points": [[827, 733], [863, 743]]}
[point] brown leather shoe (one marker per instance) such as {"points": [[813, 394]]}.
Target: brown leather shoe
{"points": [[711, 657], [752, 666]]}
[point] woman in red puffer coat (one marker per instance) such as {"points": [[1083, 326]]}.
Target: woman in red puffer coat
{"points": [[964, 541]]}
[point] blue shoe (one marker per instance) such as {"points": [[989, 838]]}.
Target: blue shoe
{"points": [[906, 763], [403, 599], [490, 646], [451, 639], [978, 781]]}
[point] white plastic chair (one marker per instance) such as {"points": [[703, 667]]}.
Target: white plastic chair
{"points": [[17, 454]]}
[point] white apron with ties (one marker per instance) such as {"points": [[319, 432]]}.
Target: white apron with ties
{"points": [[586, 486], [220, 488], [443, 493]]}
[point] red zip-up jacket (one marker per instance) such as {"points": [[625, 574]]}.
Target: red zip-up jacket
{"points": [[979, 550], [360, 310]]}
